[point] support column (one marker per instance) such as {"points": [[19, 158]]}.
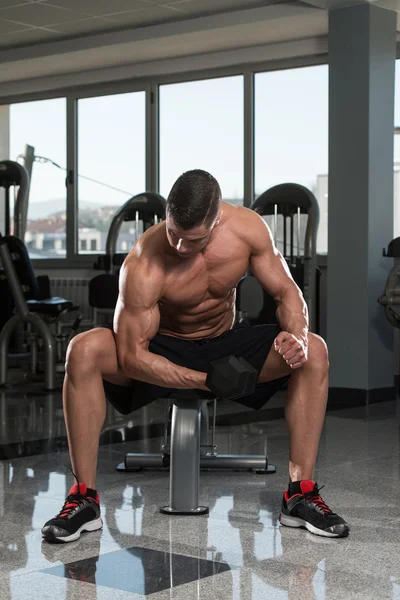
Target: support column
{"points": [[362, 52]]}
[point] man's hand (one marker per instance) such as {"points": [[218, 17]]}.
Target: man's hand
{"points": [[293, 349]]}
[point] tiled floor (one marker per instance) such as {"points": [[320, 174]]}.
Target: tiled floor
{"points": [[238, 552]]}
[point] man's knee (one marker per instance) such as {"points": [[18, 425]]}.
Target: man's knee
{"points": [[85, 349], [317, 352]]}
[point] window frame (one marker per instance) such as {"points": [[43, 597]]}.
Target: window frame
{"points": [[151, 87], [73, 256]]}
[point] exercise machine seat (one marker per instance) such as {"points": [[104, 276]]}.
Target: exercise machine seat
{"points": [[31, 289], [50, 306]]}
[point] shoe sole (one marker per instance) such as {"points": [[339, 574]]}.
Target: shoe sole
{"points": [[296, 522], [91, 526]]}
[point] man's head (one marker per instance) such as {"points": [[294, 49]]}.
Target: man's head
{"points": [[193, 210]]}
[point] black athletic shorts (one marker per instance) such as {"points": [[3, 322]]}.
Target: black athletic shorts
{"points": [[251, 342]]}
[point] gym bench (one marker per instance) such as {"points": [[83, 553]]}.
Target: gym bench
{"points": [[189, 452]]}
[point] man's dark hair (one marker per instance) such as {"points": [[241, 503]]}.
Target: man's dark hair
{"points": [[195, 198]]}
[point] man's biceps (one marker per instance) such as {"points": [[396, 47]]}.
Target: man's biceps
{"points": [[269, 281], [129, 345]]}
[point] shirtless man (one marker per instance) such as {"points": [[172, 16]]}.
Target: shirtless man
{"points": [[176, 313]]}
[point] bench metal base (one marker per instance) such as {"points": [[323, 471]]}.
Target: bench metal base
{"points": [[200, 510], [188, 452], [208, 462]]}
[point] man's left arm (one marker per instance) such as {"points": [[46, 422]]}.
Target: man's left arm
{"points": [[271, 270]]}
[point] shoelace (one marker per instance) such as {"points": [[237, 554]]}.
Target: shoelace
{"points": [[314, 496], [72, 501]]}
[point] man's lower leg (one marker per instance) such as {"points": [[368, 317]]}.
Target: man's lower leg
{"points": [[84, 412], [305, 414]]}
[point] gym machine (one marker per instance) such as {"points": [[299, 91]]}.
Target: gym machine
{"points": [[147, 208], [390, 299], [12, 174], [32, 305], [284, 205]]}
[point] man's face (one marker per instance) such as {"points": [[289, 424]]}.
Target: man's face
{"points": [[190, 241]]}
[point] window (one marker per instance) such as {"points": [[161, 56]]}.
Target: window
{"points": [[291, 134], [42, 125], [111, 160], [201, 127]]}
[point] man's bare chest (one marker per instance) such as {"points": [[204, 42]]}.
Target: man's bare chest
{"points": [[194, 281]]}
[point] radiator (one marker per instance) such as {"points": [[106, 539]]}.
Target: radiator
{"points": [[77, 291]]}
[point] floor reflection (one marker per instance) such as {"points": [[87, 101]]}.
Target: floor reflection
{"points": [[139, 570], [241, 542]]}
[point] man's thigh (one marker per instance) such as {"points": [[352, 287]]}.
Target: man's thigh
{"points": [[274, 367]]}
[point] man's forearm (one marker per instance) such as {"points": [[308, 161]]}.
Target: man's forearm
{"points": [[292, 313], [153, 368]]}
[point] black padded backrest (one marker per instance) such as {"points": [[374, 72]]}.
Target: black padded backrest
{"points": [[249, 297], [44, 287], [393, 248], [288, 197], [10, 173], [6, 300], [103, 291], [146, 205], [23, 267]]}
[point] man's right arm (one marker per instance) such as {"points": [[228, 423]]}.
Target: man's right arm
{"points": [[136, 322]]}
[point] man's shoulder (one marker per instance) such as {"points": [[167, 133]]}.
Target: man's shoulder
{"points": [[240, 215], [148, 254], [250, 227]]}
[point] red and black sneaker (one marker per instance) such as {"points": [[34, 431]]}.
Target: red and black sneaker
{"points": [[81, 512], [302, 506]]}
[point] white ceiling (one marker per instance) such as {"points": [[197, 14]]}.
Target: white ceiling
{"points": [[49, 38], [26, 21]]}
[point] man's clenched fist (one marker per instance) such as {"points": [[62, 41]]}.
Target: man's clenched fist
{"points": [[293, 349]]}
